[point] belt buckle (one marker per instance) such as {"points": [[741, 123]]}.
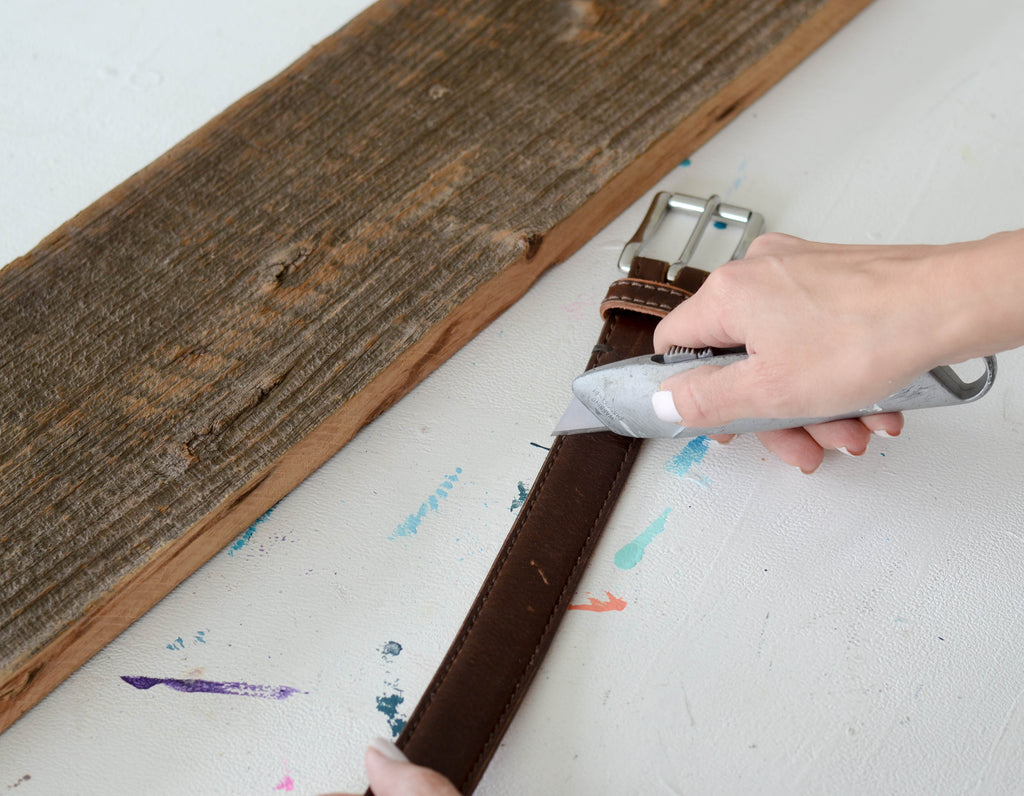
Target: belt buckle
{"points": [[708, 211]]}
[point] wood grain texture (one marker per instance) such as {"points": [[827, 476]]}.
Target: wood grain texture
{"points": [[185, 351]]}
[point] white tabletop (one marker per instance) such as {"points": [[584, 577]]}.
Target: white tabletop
{"points": [[858, 630]]}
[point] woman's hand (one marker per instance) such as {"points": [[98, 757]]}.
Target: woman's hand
{"points": [[391, 774], [829, 329]]}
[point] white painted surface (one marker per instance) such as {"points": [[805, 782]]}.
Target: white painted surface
{"points": [[858, 631]]}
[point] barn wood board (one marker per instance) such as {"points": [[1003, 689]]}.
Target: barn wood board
{"points": [[185, 351]]}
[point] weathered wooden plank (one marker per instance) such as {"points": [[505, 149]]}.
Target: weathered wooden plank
{"points": [[182, 353]]}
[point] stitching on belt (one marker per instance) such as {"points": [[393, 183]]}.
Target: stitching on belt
{"points": [[658, 287], [631, 300], [555, 613]]}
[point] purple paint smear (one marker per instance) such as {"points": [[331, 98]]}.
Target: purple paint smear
{"points": [[211, 687]]}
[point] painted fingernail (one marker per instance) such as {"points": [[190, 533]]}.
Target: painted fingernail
{"points": [[388, 749], [883, 433], [665, 407]]}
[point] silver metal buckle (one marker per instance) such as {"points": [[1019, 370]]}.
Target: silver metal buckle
{"points": [[708, 211]]}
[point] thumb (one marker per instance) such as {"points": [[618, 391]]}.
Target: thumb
{"points": [[391, 774], [711, 396]]}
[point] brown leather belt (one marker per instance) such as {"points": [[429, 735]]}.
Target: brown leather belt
{"points": [[482, 679]]}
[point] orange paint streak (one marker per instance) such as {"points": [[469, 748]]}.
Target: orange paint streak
{"points": [[613, 603]]}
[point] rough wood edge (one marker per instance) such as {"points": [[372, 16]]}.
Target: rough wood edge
{"points": [[136, 593]]}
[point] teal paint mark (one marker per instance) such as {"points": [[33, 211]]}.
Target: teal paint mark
{"points": [[630, 554], [411, 525], [520, 499], [246, 536], [685, 163], [739, 178], [243, 540], [692, 454], [720, 225], [199, 637], [390, 649], [388, 705]]}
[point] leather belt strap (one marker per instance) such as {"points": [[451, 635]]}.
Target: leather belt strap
{"points": [[481, 681]]}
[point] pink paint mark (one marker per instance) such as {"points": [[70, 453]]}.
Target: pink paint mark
{"points": [[613, 603], [577, 310], [285, 784]]}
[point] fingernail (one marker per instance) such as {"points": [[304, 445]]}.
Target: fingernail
{"points": [[845, 451], [883, 433], [388, 749], [665, 407]]}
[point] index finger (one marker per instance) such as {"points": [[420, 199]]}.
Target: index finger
{"points": [[696, 323]]}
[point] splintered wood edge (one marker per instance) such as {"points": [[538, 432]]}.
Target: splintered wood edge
{"points": [[136, 593]]}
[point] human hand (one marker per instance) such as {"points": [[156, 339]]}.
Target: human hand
{"points": [[391, 774], [829, 329]]}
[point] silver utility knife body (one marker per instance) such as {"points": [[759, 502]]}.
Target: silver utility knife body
{"points": [[617, 397]]}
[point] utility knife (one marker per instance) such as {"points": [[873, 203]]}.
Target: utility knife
{"points": [[617, 397]]}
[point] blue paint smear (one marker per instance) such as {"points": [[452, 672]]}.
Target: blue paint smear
{"points": [[631, 554], [739, 178], [179, 642], [685, 163], [411, 525], [391, 648], [720, 225], [388, 705], [520, 499], [692, 454], [246, 537]]}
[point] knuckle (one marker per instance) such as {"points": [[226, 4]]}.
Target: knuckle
{"points": [[724, 281], [769, 243], [763, 244]]}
